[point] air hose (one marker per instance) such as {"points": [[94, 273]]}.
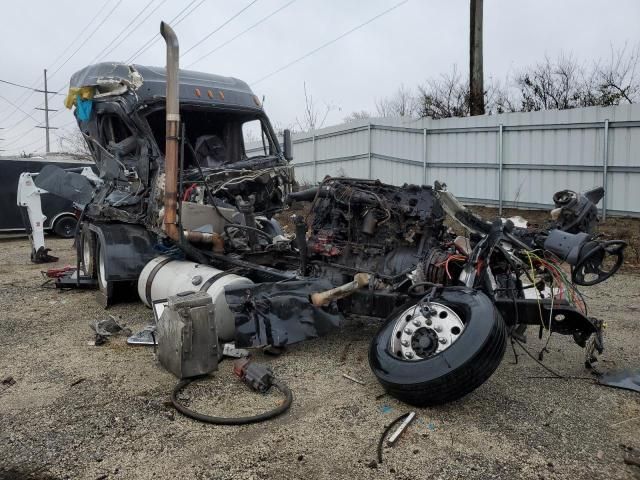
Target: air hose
{"points": [[258, 377]]}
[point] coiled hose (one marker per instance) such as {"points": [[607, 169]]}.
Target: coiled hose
{"points": [[279, 410]]}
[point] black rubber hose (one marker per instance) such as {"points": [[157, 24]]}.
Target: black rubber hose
{"points": [[386, 431], [279, 410]]}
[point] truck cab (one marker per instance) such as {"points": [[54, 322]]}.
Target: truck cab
{"points": [[121, 112]]}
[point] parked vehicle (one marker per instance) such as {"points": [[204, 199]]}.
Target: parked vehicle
{"points": [[59, 212]]}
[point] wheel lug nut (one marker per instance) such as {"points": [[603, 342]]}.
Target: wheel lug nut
{"points": [[405, 343], [408, 331], [429, 321], [409, 355], [437, 328], [416, 323], [442, 340]]}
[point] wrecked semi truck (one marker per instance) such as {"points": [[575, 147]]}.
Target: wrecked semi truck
{"points": [[185, 207]]}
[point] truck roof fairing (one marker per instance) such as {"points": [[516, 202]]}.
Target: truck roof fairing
{"points": [[149, 84]]}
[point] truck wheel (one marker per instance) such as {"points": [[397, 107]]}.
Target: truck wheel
{"points": [[65, 227], [106, 287], [89, 253], [429, 357]]}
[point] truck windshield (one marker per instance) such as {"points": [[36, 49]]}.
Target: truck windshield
{"points": [[216, 139]]}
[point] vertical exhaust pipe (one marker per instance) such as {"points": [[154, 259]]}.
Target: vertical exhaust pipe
{"points": [[170, 225]]}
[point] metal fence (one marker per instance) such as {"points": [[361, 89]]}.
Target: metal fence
{"points": [[515, 159]]}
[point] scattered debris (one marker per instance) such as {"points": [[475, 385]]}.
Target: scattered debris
{"points": [[395, 435], [78, 381], [107, 328], [631, 458], [626, 379], [402, 418], [230, 350], [625, 421], [349, 377], [7, 382], [146, 336]]}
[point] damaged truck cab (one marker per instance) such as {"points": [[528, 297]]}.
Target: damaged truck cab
{"points": [[121, 112]]}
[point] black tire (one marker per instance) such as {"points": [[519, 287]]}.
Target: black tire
{"points": [[65, 227], [454, 372], [88, 253], [106, 287]]}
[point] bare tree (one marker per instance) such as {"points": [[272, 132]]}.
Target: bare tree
{"points": [[73, 142], [564, 83], [280, 127], [313, 117], [358, 115], [401, 104], [447, 96], [618, 80], [552, 84]]}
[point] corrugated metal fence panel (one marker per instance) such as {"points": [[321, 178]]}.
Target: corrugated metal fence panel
{"points": [[542, 152]]}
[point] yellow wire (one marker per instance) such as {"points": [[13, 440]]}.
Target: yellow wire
{"points": [[533, 279]]}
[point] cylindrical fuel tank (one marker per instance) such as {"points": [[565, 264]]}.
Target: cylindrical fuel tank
{"points": [[163, 277]]}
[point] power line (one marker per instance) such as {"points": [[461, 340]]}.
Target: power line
{"points": [[73, 42], [220, 27], [22, 98], [173, 22], [133, 19], [155, 9], [28, 88], [18, 107], [330, 42], [71, 56], [241, 33], [82, 44]]}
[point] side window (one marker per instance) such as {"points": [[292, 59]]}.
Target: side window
{"points": [[256, 143], [113, 129]]}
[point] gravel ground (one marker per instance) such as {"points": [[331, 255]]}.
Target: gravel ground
{"points": [[80, 411]]}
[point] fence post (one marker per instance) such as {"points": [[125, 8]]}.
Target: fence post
{"points": [[315, 161], [369, 149], [500, 192], [424, 156], [605, 166]]}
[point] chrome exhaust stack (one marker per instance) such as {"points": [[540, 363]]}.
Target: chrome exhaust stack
{"points": [[170, 225]]}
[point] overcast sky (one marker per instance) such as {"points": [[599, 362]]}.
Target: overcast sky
{"points": [[415, 41]]}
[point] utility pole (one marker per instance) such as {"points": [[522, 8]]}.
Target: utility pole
{"points": [[476, 83], [46, 110]]}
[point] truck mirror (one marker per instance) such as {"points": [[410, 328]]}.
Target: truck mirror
{"points": [[287, 145]]}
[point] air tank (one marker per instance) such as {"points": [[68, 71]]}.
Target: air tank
{"points": [[163, 277]]}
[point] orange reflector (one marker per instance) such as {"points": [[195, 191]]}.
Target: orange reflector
{"points": [[209, 94], [221, 93], [197, 92]]}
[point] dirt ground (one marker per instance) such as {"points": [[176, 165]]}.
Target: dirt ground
{"points": [[81, 411]]}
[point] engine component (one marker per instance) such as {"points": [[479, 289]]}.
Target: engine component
{"points": [[195, 216], [187, 340], [434, 268], [163, 277], [577, 212], [320, 299], [368, 226], [259, 377]]}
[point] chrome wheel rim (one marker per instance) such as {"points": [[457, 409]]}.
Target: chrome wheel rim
{"points": [[423, 331]]}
